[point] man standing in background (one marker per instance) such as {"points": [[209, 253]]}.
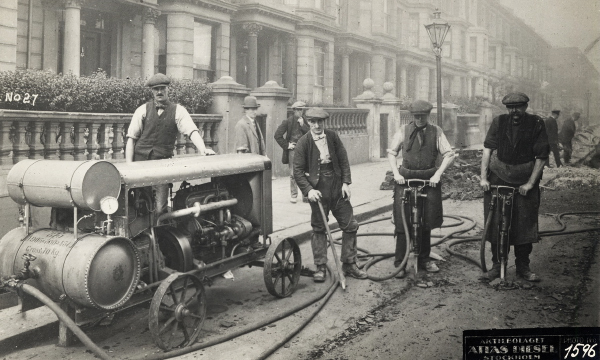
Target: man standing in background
{"points": [[293, 128], [248, 137], [567, 132], [552, 131]]}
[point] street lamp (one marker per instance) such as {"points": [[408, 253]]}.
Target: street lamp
{"points": [[437, 33]]}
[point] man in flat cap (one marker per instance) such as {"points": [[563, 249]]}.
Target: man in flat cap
{"points": [[322, 172], [293, 128], [420, 143], [154, 128], [552, 131], [515, 151], [248, 136], [567, 132]]}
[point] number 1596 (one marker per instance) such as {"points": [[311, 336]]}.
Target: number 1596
{"points": [[586, 349]]}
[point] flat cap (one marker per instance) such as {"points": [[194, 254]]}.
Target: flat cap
{"points": [[515, 99], [298, 105], [316, 113], [419, 107], [557, 112], [158, 80]]}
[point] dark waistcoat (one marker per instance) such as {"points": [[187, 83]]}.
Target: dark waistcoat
{"points": [[521, 150], [158, 134], [419, 161]]}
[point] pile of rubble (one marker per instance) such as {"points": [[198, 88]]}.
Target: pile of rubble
{"points": [[460, 181], [572, 178]]}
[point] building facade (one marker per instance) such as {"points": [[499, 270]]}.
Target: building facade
{"points": [[321, 50]]}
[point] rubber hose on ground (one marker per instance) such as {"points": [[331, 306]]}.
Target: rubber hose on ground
{"points": [[64, 317], [244, 331], [486, 228]]}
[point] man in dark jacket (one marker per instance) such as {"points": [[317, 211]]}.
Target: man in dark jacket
{"points": [[567, 132], [552, 131], [514, 154], [322, 172], [154, 129], [293, 128]]}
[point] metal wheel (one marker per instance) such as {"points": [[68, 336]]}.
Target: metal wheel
{"points": [[282, 267], [177, 311]]}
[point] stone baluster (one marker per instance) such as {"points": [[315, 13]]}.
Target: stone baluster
{"points": [[79, 145], [214, 138], [36, 146], [117, 143], [5, 144], [65, 147], [92, 145], [180, 144], [103, 144], [51, 131], [20, 147]]}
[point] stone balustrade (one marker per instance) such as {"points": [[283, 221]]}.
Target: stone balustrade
{"points": [[80, 136], [345, 121]]}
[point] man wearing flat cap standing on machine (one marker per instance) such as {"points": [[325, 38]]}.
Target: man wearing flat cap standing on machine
{"points": [[153, 131], [515, 151], [248, 136], [322, 172], [293, 127], [421, 143]]}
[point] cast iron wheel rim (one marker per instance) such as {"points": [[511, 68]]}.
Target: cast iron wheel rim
{"points": [[283, 263], [177, 311]]}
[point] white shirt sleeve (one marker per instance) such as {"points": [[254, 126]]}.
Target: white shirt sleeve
{"points": [[184, 121], [443, 145], [136, 126]]}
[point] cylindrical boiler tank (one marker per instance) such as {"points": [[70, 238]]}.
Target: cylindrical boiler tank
{"points": [[59, 183], [93, 270]]}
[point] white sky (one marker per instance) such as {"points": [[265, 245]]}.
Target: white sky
{"points": [[563, 23]]}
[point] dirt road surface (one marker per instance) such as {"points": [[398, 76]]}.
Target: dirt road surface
{"points": [[393, 319]]}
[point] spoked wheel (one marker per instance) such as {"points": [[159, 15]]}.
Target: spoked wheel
{"points": [[282, 267], [177, 311]]}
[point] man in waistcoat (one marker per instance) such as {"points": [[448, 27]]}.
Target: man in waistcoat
{"points": [[322, 171], [515, 151], [248, 136], [293, 128], [420, 143], [552, 131], [153, 131]]}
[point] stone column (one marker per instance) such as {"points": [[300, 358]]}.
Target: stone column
{"points": [[378, 73], [403, 74], [233, 54], [470, 87], [305, 68], [253, 29], [273, 100], [180, 46], [422, 88], [228, 98], [368, 100], [149, 19], [8, 45], [345, 52], [72, 40], [290, 64], [50, 39], [455, 86]]}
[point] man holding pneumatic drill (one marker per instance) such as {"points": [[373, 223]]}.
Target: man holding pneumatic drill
{"points": [[515, 152]]}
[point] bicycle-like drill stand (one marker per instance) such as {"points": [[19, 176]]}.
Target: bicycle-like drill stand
{"points": [[414, 191], [502, 201]]}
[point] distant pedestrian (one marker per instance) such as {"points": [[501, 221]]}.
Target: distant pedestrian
{"points": [[420, 143], [322, 172], [153, 131], [514, 154], [567, 132], [293, 128], [552, 131], [248, 136]]}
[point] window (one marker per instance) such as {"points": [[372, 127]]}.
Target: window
{"points": [[319, 64], [519, 67], [447, 45], [473, 48], [387, 17], [413, 31], [492, 57], [204, 54], [507, 64], [338, 12]]}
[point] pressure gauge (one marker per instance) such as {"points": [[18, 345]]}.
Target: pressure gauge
{"points": [[109, 205]]}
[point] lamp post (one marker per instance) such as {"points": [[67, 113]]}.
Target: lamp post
{"points": [[437, 33]]}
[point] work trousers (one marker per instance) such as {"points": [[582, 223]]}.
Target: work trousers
{"points": [[401, 246], [330, 187], [521, 255], [554, 150], [160, 192], [568, 150], [293, 185]]}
